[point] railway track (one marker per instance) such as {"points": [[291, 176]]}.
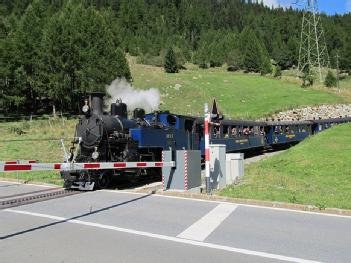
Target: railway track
{"points": [[34, 197]]}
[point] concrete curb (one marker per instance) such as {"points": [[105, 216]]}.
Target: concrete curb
{"points": [[297, 207]]}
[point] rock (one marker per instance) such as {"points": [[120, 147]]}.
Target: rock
{"points": [[315, 112], [177, 86]]}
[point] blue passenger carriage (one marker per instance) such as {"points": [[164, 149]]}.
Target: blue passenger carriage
{"points": [[321, 125], [236, 135], [279, 132]]}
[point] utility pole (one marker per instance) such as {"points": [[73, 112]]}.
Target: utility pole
{"points": [[313, 53]]}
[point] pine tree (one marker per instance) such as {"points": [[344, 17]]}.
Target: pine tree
{"points": [[345, 58], [81, 55], [122, 70], [266, 65], [171, 65], [26, 54], [330, 80], [252, 52]]}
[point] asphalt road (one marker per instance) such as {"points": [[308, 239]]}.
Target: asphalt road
{"points": [[8, 189], [107, 226]]}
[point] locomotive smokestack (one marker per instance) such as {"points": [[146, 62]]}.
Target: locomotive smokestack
{"points": [[96, 100]]}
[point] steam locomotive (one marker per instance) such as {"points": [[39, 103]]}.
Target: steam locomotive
{"points": [[113, 137]]}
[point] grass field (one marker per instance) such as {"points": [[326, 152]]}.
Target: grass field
{"points": [[315, 172], [346, 83], [40, 141], [239, 95]]}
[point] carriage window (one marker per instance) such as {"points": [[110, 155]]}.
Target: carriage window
{"points": [[216, 132], [225, 131], [262, 131], [188, 125], [286, 129], [172, 120], [256, 130], [278, 129], [246, 130]]}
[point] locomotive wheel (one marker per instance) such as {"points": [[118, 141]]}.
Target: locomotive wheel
{"points": [[103, 180]]}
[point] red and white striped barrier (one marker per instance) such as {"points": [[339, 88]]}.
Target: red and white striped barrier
{"points": [[19, 162], [186, 171], [82, 166]]}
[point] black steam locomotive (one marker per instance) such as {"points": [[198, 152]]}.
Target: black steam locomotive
{"points": [[113, 137]]}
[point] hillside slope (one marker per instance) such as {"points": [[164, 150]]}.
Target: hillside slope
{"points": [[239, 95], [315, 172]]}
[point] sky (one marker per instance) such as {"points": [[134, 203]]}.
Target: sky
{"points": [[331, 7]]}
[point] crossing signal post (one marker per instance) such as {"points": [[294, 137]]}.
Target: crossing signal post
{"points": [[207, 148]]}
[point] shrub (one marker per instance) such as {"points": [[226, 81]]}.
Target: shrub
{"points": [[277, 72], [233, 68], [330, 80]]}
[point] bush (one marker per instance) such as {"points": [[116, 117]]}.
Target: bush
{"points": [[330, 80], [203, 65], [214, 64], [307, 79], [277, 72], [233, 68]]}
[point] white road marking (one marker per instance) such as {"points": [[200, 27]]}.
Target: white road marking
{"points": [[168, 238], [202, 228], [223, 202]]}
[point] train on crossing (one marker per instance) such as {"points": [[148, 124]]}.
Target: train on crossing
{"points": [[115, 137]]}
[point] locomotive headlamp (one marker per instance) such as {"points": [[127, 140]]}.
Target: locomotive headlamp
{"points": [[85, 108], [95, 155]]}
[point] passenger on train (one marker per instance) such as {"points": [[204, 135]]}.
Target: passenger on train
{"points": [[262, 132], [234, 132]]}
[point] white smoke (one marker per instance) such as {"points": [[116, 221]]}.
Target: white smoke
{"points": [[149, 99]]}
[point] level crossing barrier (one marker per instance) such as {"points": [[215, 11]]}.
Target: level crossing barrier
{"points": [[12, 167], [18, 162]]}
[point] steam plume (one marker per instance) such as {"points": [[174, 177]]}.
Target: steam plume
{"points": [[134, 98]]}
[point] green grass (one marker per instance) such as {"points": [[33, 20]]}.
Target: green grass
{"points": [[35, 143], [345, 83], [239, 95], [315, 172]]}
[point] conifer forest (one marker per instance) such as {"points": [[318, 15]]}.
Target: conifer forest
{"points": [[53, 51]]}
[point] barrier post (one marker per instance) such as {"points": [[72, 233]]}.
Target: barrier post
{"points": [[207, 148]]}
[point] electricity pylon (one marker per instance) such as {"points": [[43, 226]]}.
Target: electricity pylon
{"points": [[313, 54]]}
